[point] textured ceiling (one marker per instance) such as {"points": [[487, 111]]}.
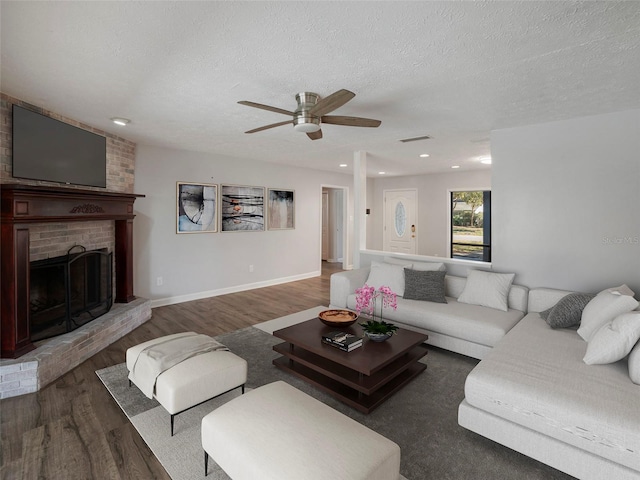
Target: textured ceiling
{"points": [[450, 70]]}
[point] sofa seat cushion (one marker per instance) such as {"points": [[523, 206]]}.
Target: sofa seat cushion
{"points": [[482, 325], [535, 377]]}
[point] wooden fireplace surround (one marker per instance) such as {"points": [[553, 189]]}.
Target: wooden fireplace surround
{"points": [[26, 204]]}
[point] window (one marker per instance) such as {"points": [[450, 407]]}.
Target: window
{"points": [[401, 219], [471, 225]]}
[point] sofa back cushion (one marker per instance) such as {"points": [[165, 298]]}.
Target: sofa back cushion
{"points": [[454, 285], [487, 289], [398, 261], [543, 298], [415, 264], [517, 299], [429, 266], [387, 274]]}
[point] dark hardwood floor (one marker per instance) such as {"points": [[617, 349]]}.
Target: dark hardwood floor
{"points": [[72, 429]]}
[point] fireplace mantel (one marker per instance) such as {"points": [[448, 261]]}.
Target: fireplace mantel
{"points": [[26, 204]]}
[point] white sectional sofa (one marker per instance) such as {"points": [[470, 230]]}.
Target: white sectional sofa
{"points": [[532, 390], [534, 394], [471, 330]]}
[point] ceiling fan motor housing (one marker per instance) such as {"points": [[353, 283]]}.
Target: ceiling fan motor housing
{"points": [[303, 121]]}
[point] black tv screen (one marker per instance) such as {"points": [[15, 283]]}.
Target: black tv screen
{"points": [[51, 150]]}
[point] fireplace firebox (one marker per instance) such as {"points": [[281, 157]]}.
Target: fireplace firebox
{"points": [[69, 291]]}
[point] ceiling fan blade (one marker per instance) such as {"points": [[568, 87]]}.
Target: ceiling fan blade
{"points": [[315, 135], [266, 127], [330, 103], [350, 121], [265, 107]]}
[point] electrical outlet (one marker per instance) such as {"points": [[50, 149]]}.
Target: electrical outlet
{"points": [[159, 281], [250, 268]]}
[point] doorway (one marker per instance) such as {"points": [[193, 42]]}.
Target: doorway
{"points": [[334, 225], [400, 227]]}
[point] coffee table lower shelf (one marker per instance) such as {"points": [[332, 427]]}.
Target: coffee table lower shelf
{"points": [[350, 396]]}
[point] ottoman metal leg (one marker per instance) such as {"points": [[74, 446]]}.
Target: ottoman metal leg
{"points": [[206, 463], [173, 415]]}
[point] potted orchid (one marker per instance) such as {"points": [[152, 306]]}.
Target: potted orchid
{"points": [[366, 299]]}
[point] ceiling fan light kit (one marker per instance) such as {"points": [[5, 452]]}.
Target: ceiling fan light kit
{"points": [[311, 112], [306, 123]]}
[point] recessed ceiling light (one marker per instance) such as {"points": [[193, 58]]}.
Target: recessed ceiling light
{"points": [[343, 165], [120, 121], [424, 155], [381, 173], [486, 160], [455, 166]]}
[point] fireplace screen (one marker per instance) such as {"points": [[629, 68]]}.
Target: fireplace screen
{"points": [[69, 291]]}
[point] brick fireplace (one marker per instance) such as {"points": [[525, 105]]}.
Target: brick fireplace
{"points": [[41, 220], [27, 204], [21, 206]]}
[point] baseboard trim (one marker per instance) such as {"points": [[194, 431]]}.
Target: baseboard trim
{"points": [[161, 302]]}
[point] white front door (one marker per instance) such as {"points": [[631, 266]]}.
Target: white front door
{"points": [[399, 223]]}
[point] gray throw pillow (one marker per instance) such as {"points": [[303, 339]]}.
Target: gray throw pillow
{"points": [[424, 285], [568, 311]]}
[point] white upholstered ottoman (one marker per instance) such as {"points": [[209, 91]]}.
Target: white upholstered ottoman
{"points": [[194, 380], [277, 432]]}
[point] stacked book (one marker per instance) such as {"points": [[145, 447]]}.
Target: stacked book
{"points": [[344, 341]]}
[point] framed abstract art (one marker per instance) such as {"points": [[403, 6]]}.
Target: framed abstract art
{"points": [[241, 208], [197, 205], [280, 209]]}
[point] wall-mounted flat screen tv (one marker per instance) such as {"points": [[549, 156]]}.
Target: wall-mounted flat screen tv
{"points": [[51, 150]]}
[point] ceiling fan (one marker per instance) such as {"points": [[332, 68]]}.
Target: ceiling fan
{"points": [[312, 111]]}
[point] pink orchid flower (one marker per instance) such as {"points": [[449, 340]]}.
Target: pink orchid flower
{"points": [[366, 299]]}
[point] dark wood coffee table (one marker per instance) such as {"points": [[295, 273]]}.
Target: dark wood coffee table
{"points": [[362, 378]]}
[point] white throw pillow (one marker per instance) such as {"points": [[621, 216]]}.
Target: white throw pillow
{"points": [[429, 266], [487, 289], [604, 307], [634, 364], [386, 274], [614, 341]]}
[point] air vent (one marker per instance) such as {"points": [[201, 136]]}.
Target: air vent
{"points": [[415, 139]]}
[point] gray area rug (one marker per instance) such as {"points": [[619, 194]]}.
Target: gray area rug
{"points": [[421, 418]]}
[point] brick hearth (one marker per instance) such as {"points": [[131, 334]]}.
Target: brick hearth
{"points": [[56, 356]]}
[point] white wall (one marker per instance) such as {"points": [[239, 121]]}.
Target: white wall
{"points": [[566, 202], [433, 206], [205, 264]]}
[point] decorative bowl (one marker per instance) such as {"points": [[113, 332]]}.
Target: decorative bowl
{"points": [[338, 318], [378, 337]]}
